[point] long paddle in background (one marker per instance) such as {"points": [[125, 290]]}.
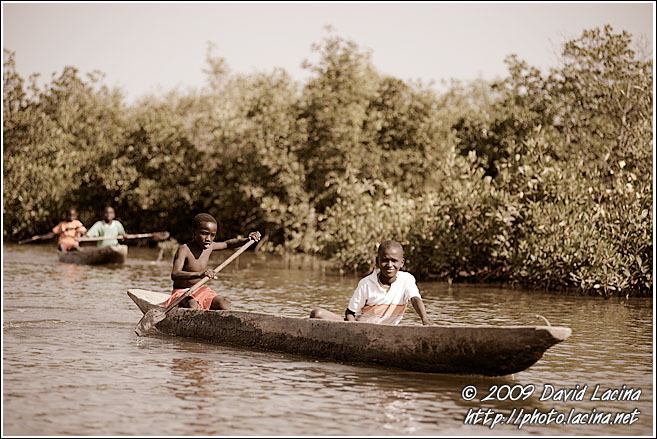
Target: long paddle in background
{"points": [[157, 236], [156, 315], [37, 237]]}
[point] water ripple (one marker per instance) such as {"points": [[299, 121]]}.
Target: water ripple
{"points": [[70, 354]]}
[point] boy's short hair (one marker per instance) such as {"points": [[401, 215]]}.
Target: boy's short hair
{"points": [[389, 244], [202, 218]]}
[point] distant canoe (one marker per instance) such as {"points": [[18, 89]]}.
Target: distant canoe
{"points": [[94, 256], [468, 350]]}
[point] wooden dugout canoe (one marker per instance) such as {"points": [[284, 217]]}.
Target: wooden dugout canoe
{"points": [[95, 256], [467, 350]]}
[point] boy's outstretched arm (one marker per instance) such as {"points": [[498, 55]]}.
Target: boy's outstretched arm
{"points": [[418, 305], [236, 242]]}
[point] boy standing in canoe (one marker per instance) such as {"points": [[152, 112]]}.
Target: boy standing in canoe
{"points": [[107, 227], [382, 296], [190, 264], [68, 231]]}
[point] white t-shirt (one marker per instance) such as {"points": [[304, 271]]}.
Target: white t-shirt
{"points": [[380, 306]]}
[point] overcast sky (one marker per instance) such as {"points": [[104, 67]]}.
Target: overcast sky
{"points": [[153, 47]]}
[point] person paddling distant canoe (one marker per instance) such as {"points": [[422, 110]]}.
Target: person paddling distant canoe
{"points": [[190, 264], [68, 231], [107, 227], [382, 296]]}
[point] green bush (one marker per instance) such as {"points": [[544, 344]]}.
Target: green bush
{"points": [[539, 179]]}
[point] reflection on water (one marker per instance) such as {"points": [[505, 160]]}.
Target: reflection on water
{"points": [[70, 354], [71, 273]]}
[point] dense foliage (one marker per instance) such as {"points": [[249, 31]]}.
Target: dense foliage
{"points": [[542, 179]]}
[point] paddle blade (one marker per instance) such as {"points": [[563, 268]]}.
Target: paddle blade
{"points": [[150, 319], [36, 237]]}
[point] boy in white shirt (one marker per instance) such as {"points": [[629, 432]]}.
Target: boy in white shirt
{"points": [[382, 296], [107, 227]]}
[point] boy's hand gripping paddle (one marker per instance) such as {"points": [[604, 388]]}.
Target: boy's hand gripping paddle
{"points": [[156, 315]]}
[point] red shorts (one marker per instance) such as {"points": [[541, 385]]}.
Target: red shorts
{"points": [[68, 242], [203, 295]]}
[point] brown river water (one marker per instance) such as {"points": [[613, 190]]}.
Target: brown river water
{"points": [[73, 365]]}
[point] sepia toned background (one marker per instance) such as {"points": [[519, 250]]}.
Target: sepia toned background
{"points": [[508, 147]]}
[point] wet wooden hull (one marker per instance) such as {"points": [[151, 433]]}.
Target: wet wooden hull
{"points": [[477, 350], [115, 254]]}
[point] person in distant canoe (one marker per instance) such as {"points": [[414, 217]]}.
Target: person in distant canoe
{"points": [[190, 265], [107, 227], [382, 296], [68, 231]]}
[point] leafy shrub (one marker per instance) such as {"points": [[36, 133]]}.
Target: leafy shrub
{"points": [[538, 179]]}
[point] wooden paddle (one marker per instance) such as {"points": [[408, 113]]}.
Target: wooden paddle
{"points": [[156, 315], [157, 236], [37, 237]]}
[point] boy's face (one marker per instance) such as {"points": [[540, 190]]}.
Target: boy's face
{"points": [[390, 260], [109, 214], [72, 215], [204, 235]]}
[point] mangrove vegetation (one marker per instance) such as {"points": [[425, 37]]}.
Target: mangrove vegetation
{"points": [[542, 179]]}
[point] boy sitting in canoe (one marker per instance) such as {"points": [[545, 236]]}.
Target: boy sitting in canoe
{"points": [[107, 227], [68, 230], [190, 264], [382, 296]]}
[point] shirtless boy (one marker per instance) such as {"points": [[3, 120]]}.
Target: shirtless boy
{"points": [[191, 261]]}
